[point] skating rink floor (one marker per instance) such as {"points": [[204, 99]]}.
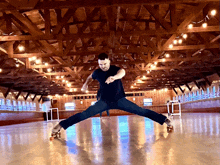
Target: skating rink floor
{"points": [[116, 140]]}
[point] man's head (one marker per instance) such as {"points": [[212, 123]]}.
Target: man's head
{"points": [[104, 62]]}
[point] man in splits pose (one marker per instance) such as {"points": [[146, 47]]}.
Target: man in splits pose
{"points": [[112, 96]]}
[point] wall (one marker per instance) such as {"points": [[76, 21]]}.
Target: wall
{"points": [[159, 98]]}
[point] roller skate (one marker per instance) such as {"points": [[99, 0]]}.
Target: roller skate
{"points": [[169, 125], [56, 132]]}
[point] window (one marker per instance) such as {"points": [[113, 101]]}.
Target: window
{"points": [[28, 106], [24, 107], [213, 91], [2, 104], [15, 107], [70, 106], [147, 101], [8, 105], [19, 106]]}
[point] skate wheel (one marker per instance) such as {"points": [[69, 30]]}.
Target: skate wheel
{"points": [[51, 138], [169, 129]]}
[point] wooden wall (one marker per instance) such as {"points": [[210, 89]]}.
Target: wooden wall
{"points": [[159, 97]]}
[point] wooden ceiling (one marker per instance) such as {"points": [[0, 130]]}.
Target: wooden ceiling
{"points": [[66, 36]]}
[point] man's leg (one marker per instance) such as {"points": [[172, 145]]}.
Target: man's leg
{"points": [[129, 106], [107, 113], [98, 107]]}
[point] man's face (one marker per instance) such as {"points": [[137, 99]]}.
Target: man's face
{"points": [[104, 64]]}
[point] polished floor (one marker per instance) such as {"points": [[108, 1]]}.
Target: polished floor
{"points": [[116, 140]]}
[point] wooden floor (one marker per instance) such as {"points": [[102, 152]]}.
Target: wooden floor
{"points": [[117, 140]]}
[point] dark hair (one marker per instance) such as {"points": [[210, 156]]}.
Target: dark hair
{"points": [[102, 56]]}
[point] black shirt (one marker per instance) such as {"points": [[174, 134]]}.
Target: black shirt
{"points": [[109, 92]]}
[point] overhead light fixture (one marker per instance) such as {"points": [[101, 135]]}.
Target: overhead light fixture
{"points": [[17, 65], [204, 25], [71, 90], [175, 42], [184, 36], [213, 12], [190, 26], [167, 55], [0, 70], [163, 59], [21, 48], [180, 41], [46, 64], [38, 61], [171, 46], [75, 89], [49, 69]]}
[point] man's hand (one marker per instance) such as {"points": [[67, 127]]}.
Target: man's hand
{"points": [[110, 79], [84, 87]]}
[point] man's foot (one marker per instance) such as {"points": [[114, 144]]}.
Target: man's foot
{"points": [[169, 125], [56, 132]]}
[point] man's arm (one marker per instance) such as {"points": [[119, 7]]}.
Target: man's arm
{"points": [[119, 75], [85, 85]]}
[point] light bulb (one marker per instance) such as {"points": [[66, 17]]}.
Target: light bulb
{"points": [[171, 46], [184, 36], [213, 12], [204, 25], [190, 26], [175, 42]]}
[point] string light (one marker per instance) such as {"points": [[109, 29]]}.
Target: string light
{"points": [[49, 70], [75, 89], [171, 46], [46, 64], [71, 90], [163, 59], [175, 42]]}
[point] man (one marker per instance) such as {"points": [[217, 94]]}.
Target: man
{"points": [[112, 96]]}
